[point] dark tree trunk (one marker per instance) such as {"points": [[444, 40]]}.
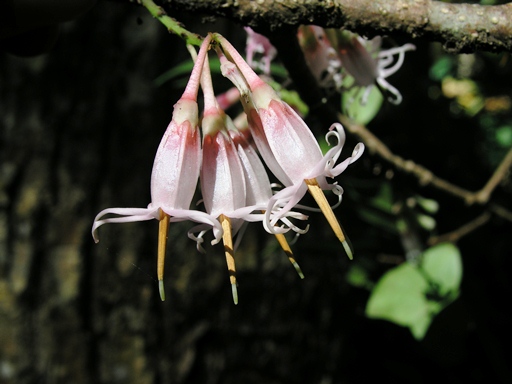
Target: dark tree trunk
{"points": [[79, 129]]}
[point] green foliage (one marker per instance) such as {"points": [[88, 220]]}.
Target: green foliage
{"points": [[442, 265], [412, 295], [379, 211], [497, 131], [357, 276], [504, 136], [184, 68], [352, 107], [292, 98], [388, 212], [428, 205], [442, 68]]}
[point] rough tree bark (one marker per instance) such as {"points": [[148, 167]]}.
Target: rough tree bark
{"points": [[460, 27], [78, 132], [79, 129]]}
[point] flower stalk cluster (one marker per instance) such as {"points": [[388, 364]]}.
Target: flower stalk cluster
{"points": [[234, 183]]}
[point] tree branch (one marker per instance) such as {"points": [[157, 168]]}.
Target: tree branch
{"points": [[425, 176], [461, 28], [464, 230]]}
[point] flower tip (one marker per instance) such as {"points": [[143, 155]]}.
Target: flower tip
{"points": [[161, 289], [348, 250], [297, 268], [95, 236], [234, 292]]}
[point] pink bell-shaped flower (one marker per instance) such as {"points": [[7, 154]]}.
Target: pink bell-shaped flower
{"points": [[320, 56], [226, 168], [288, 147], [222, 176], [368, 64], [259, 189], [175, 173]]}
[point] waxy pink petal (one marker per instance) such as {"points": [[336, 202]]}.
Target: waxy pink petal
{"points": [[222, 177], [177, 161], [176, 166], [291, 141]]}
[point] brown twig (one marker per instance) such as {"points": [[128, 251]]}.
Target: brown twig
{"points": [[462, 231], [501, 211], [425, 176], [499, 174], [459, 27]]}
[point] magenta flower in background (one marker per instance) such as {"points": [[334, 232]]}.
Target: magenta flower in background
{"points": [[257, 43]]}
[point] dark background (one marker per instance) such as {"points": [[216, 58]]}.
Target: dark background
{"points": [[79, 127]]}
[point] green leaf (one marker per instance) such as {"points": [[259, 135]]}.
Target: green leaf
{"points": [[442, 264], [411, 296], [184, 68], [378, 219], [441, 68], [358, 277], [399, 297], [362, 114], [429, 205], [294, 100], [178, 70], [384, 199], [504, 136], [426, 222], [278, 70]]}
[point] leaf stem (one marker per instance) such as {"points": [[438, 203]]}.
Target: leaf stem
{"points": [[172, 25]]}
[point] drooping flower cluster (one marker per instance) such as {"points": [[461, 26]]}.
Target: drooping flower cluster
{"points": [[234, 185], [332, 55]]}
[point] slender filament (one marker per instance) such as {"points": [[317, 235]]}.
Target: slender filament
{"points": [[230, 255], [286, 248], [326, 209], [163, 229]]}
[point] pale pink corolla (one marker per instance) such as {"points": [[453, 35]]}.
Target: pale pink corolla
{"points": [[222, 176], [259, 190], [174, 176], [227, 99], [176, 166], [175, 169], [320, 56], [285, 142]]}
